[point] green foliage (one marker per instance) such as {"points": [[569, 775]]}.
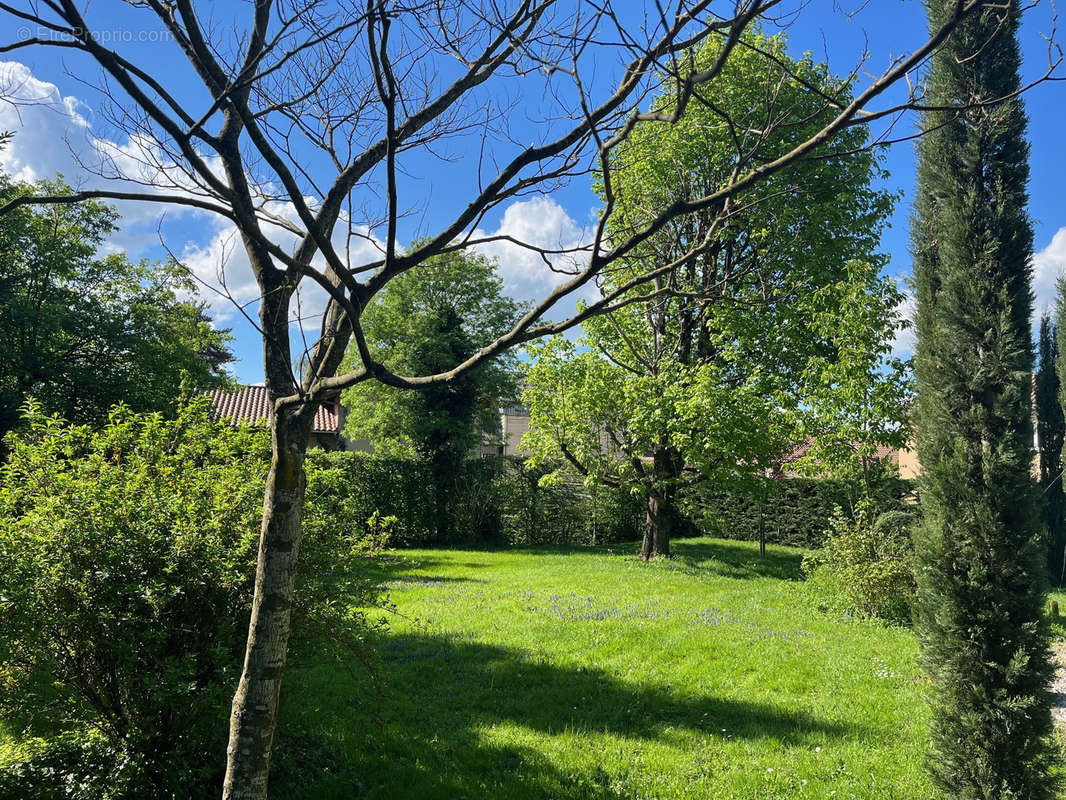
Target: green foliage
{"points": [[83, 331], [1050, 429], [518, 502], [786, 511], [426, 321], [72, 766], [980, 559], [429, 320], [497, 501], [349, 488], [127, 557], [712, 375], [857, 395], [866, 565], [564, 510]]}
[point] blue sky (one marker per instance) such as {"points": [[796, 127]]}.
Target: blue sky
{"points": [[55, 134]]}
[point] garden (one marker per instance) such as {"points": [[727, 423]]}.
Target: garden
{"points": [[556, 446]]}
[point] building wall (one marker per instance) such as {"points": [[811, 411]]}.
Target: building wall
{"points": [[513, 424], [514, 427], [910, 468]]}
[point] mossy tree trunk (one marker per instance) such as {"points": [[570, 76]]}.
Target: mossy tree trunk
{"points": [[253, 716]]}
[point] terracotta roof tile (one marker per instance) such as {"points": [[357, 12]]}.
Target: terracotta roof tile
{"points": [[798, 451], [251, 404]]}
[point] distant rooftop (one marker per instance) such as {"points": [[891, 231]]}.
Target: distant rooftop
{"points": [[251, 405]]}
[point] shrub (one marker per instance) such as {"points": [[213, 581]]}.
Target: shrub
{"points": [[564, 511], [127, 558], [497, 501], [71, 766], [347, 488], [866, 566], [790, 511]]}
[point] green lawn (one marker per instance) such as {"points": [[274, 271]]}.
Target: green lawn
{"points": [[577, 673]]}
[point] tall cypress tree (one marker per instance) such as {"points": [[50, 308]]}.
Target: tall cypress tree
{"points": [[980, 560], [1050, 428]]}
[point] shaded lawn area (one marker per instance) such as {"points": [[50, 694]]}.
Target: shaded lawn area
{"points": [[583, 673]]}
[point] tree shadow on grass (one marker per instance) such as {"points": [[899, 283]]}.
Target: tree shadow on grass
{"points": [[613, 548], [424, 737], [738, 559], [702, 556], [424, 580], [402, 568]]}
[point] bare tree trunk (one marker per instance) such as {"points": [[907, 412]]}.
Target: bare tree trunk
{"points": [[255, 704], [663, 517], [657, 528], [253, 716]]}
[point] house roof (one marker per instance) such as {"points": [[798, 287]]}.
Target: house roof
{"points": [[251, 405], [881, 453], [785, 465]]}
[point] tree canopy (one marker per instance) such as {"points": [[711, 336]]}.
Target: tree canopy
{"points": [[751, 307], [84, 329], [431, 320]]}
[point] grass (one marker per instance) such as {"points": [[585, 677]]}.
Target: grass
{"points": [[567, 673]]}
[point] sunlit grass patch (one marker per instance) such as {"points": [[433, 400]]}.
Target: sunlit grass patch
{"points": [[587, 674]]}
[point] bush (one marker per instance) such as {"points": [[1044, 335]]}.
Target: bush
{"points": [[127, 558], [866, 566], [347, 488], [71, 766], [565, 511], [790, 511], [499, 501]]}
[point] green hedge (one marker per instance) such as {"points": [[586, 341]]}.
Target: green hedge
{"points": [[499, 501], [564, 513], [791, 511]]}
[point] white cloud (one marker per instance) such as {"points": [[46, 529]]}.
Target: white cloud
{"points": [[55, 135], [222, 268], [539, 222], [43, 120], [903, 346], [1048, 265]]}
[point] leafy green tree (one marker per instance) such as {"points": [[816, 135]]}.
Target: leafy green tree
{"points": [[705, 380], [83, 331], [428, 321], [1051, 426], [858, 397], [979, 547]]}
